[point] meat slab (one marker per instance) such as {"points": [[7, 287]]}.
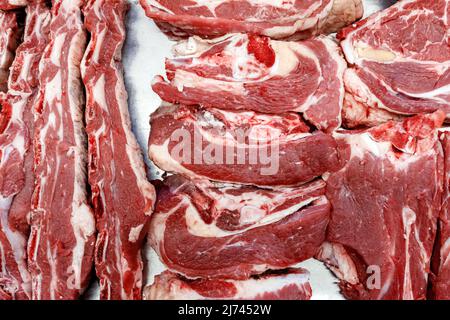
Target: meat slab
{"points": [[239, 147], [6, 5], [121, 195], [61, 244], [16, 155], [244, 72], [400, 60], [9, 40], [290, 285], [441, 281], [386, 202], [277, 18], [205, 231]]}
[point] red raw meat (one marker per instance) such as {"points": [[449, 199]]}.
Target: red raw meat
{"points": [[13, 4], [293, 284], [400, 62], [276, 18], [386, 202], [16, 155], [61, 244], [205, 231], [441, 280], [239, 147], [9, 40], [242, 72], [122, 197]]}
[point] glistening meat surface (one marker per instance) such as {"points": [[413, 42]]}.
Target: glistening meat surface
{"points": [[239, 147], [386, 202], [16, 155], [61, 244], [277, 18], [9, 40], [441, 281], [293, 284], [205, 231], [13, 4], [400, 60], [244, 72], [121, 195]]}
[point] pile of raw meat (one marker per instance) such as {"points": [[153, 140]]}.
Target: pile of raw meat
{"points": [[285, 144], [74, 194], [281, 143]]}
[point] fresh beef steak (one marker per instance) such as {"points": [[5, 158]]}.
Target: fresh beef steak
{"points": [[205, 231], [121, 194], [17, 157], [386, 202], [239, 147], [61, 244], [441, 280], [290, 285], [276, 18], [400, 60], [244, 72]]}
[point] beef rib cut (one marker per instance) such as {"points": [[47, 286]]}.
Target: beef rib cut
{"points": [[121, 194], [6, 5], [244, 72], [61, 244], [239, 147], [9, 40], [276, 18], [293, 284], [17, 157], [441, 281], [386, 202], [400, 59], [205, 231]]}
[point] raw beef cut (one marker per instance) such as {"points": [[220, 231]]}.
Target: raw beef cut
{"points": [[359, 116], [239, 147], [243, 72], [276, 18], [61, 244], [16, 155], [290, 285], [202, 230], [386, 202], [121, 194], [9, 39], [13, 4], [400, 60], [441, 282]]}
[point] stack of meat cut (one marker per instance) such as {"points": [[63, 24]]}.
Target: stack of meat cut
{"points": [[74, 195], [285, 145], [246, 130]]}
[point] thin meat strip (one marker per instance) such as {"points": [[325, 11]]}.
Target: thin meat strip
{"points": [[122, 197], [9, 40], [61, 244], [239, 147], [277, 19], [399, 61], [16, 155], [292, 284]]}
